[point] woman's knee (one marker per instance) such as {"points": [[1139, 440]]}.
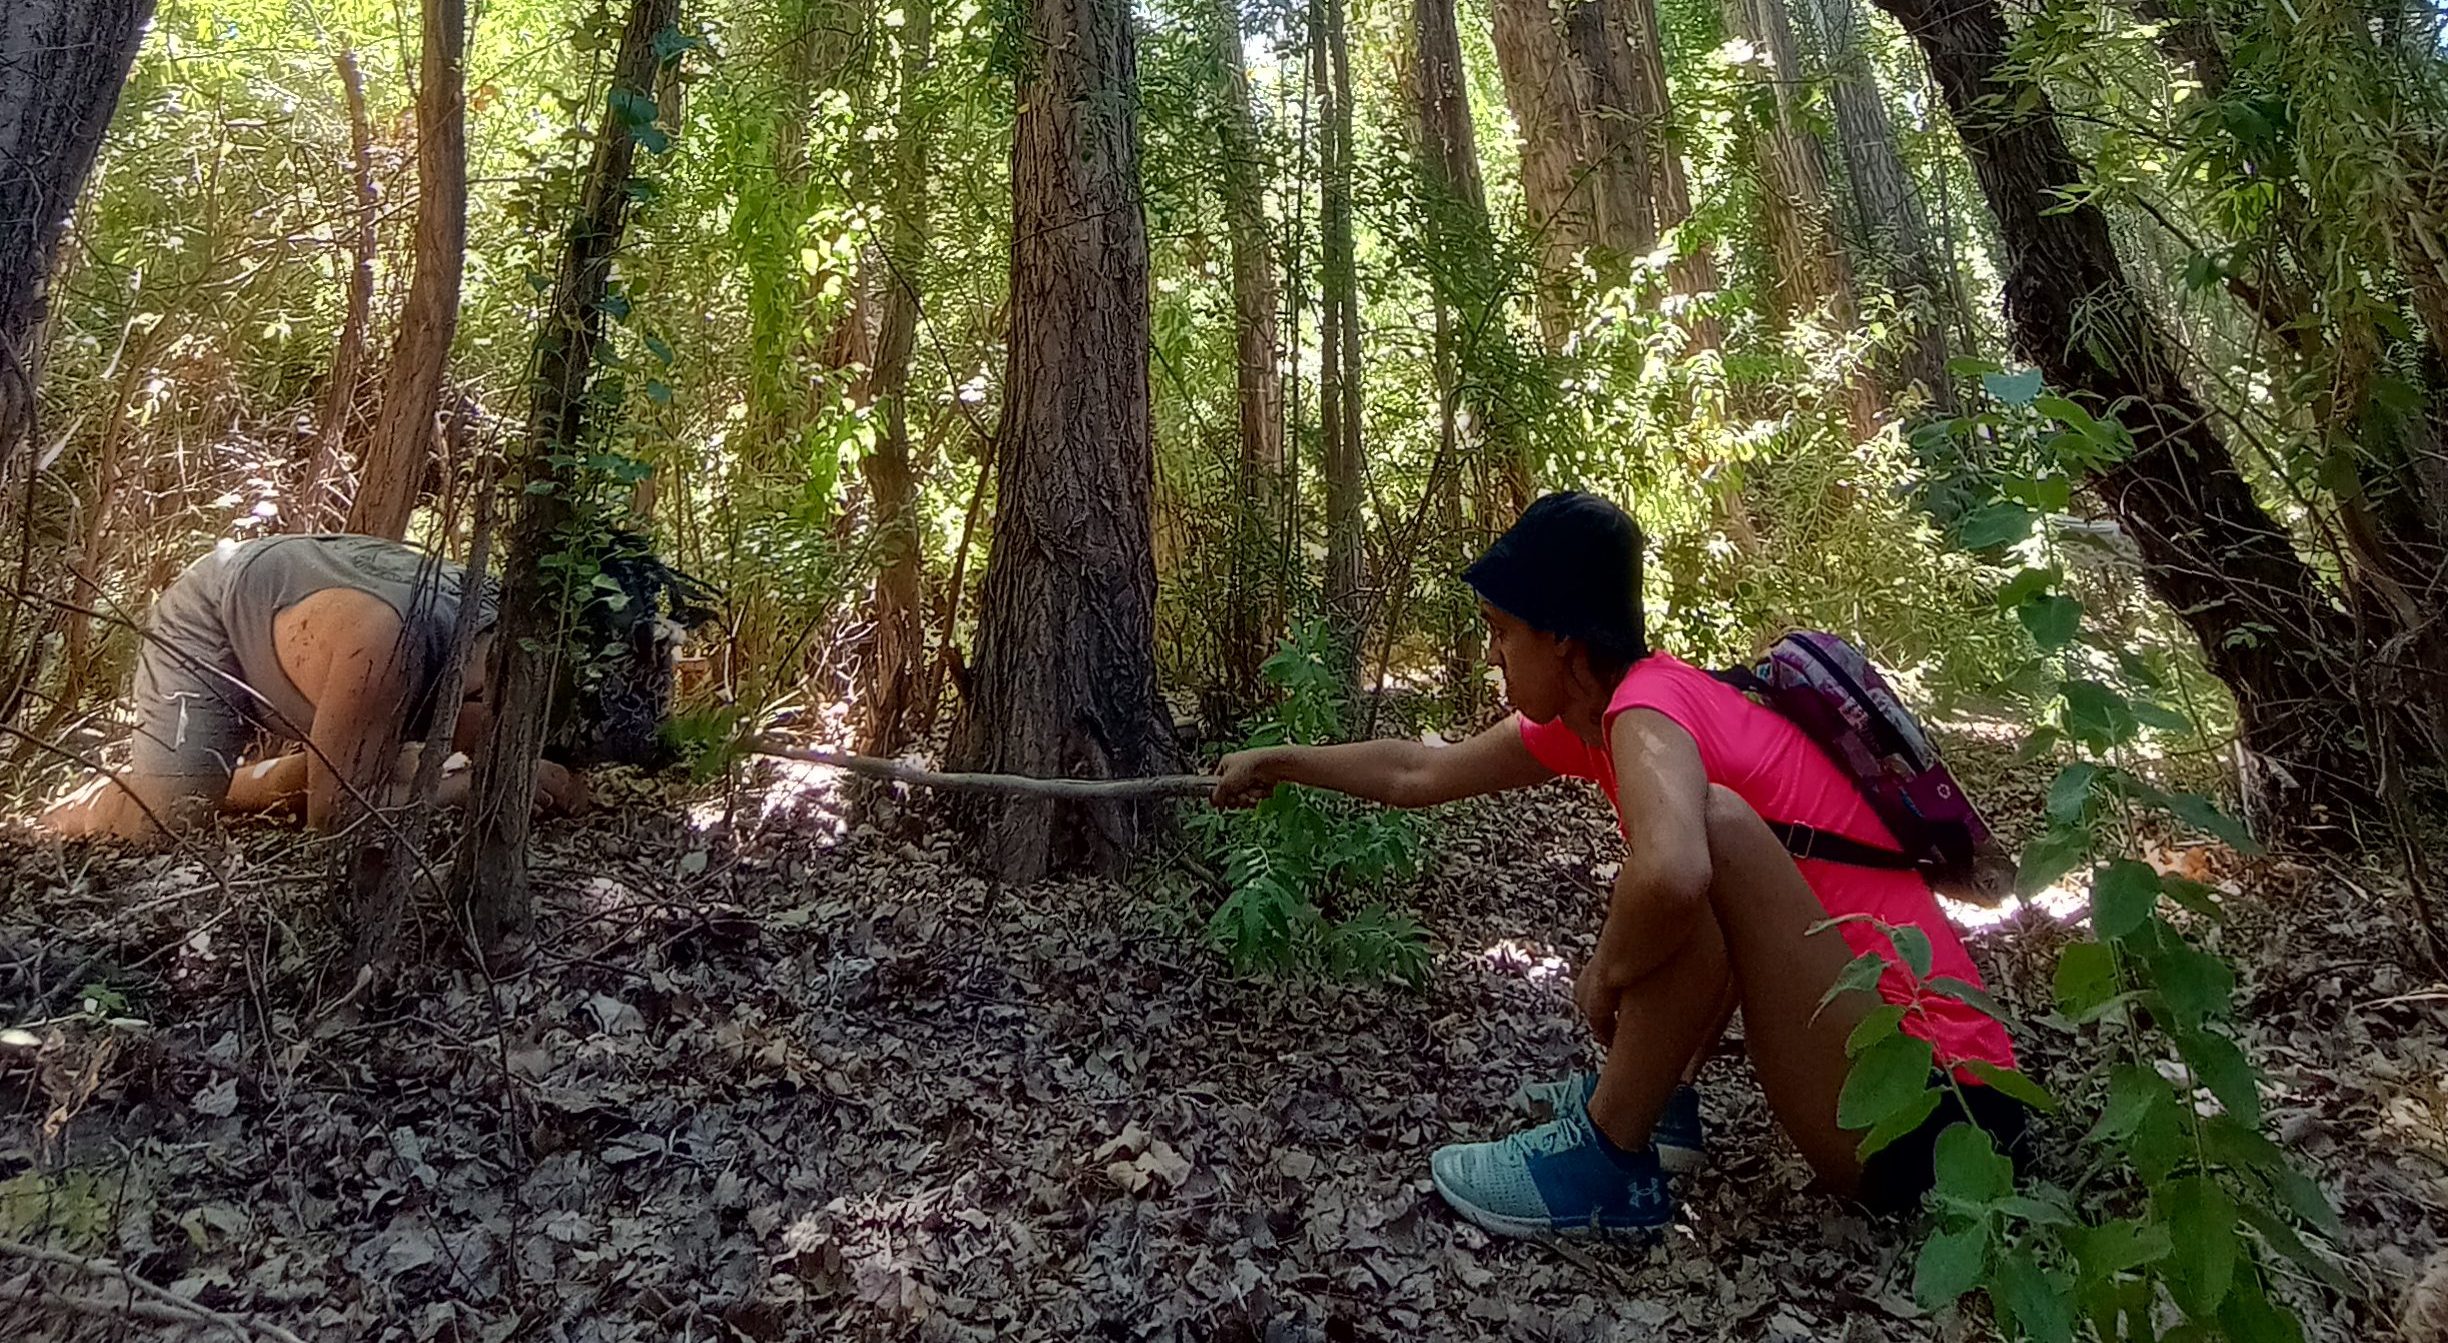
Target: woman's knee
{"points": [[1734, 829]]}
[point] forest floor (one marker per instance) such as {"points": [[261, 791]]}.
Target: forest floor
{"points": [[777, 1076]]}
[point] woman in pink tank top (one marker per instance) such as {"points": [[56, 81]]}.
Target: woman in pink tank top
{"points": [[1708, 912]]}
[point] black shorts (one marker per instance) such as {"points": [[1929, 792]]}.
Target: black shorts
{"points": [[1897, 1175]]}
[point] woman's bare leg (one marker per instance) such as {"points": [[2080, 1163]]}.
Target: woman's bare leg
{"points": [[1758, 940]]}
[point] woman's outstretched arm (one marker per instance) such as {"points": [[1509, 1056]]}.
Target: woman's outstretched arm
{"points": [[1396, 773]]}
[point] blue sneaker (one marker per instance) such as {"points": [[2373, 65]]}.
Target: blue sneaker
{"points": [[1554, 1180], [1682, 1145]]}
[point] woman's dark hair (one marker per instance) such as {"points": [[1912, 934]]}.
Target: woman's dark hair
{"points": [[1571, 566]]}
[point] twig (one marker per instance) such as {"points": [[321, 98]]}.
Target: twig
{"points": [[1164, 785], [172, 1308]]}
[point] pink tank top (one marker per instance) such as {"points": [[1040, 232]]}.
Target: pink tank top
{"points": [[1764, 758]]}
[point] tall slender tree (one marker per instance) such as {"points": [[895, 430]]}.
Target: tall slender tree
{"points": [[490, 878], [309, 508], [1338, 334], [1065, 676], [402, 444]]}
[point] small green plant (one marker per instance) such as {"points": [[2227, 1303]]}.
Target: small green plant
{"points": [[2171, 1203], [1292, 856]]}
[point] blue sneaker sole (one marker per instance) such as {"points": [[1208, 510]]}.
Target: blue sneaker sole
{"points": [[1546, 1228]]}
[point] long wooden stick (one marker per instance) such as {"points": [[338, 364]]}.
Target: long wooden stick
{"points": [[1167, 785]]}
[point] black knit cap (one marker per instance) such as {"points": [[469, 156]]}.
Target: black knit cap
{"points": [[1571, 566]]}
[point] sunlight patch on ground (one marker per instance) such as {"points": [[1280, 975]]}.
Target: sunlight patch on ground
{"points": [[1534, 961]]}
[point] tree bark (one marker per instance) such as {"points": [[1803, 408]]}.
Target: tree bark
{"points": [[310, 505], [1258, 576], [62, 64], [2266, 624], [491, 876], [1065, 681], [1895, 242], [402, 443], [898, 649], [1339, 383]]}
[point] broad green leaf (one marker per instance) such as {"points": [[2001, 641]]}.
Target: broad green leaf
{"points": [[2012, 1082], [2041, 742], [2196, 984], [2000, 524], [2097, 715], [1970, 1170], [2049, 1211], [1914, 946], [2058, 851], [2123, 898], [2283, 1239], [2086, 977], [2069, 414], [2040, 1304], [2247, 1316], [2117, 1246], [1950, 1264], [1883, 1080], [2131, 1089], [2047, 494], [1948, 986], [2028, 584], [2070, 794], [2204, 815], [2193, 895], [2222, 1067], [2201, 1218], [2016, 388], [1896, 1125], [2050, 620], [2151, 713], [2160, 1143], [1876, 1024], [1861, 975]]}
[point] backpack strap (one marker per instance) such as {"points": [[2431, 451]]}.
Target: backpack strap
{"points": [[1804, 841], [1743, 679]]}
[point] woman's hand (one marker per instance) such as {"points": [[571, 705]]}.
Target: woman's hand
{"points": [[1247, 778], [1599, 989]]}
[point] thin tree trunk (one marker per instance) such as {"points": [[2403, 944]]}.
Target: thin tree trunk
{"points": [[891, 669], [402, 445], [1339, 366], [1065, 682], [1257, 573], [2266, 624], [1896, 237], [311, 507], [491, 876]]}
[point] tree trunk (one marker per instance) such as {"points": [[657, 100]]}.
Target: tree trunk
{"points": [[1257, 571], [2267, 626], [401, 447], [62, 63], [1339, 329], [1065, 681], [1895, 242], [491, 876], [1629, 90], [310, 505], [893, 660]]}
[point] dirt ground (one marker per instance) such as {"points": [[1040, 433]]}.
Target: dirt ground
{"points": [[765, 1074]]}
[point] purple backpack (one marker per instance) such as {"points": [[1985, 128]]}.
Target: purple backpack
{"points": [[1827, 688]]}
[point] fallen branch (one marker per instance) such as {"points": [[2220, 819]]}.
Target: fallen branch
{"points": [[1167, 785], [147, 1301]]}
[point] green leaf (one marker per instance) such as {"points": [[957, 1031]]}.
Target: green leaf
{"points": [[2119, 1246], [2069, 414], [2015, 389], [2151, 713], [1914, 946], [653, 139], [2201, 1218], [1996, 525], [2047, 494], [2247, 1316], [2052, 620], [1970, 1170], [2096, 715], [2131, 1089], [1948, 986], [2196, 984], [1896, 1125], [2291, 1246], [2204, 815], [1950, 1265], [1883, 1080], [2160, 1143], [2123, 898], [2041, 742], [2086, 977], [1859, 976], [2069, 794], [2193, 895], [2040, 1304], [1876, 1024], [2012, 1082], [2222, 1067], [2026, 585], [2056, 852]]}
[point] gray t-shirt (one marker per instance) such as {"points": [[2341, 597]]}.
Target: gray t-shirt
{"points": [[209, 676]]}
